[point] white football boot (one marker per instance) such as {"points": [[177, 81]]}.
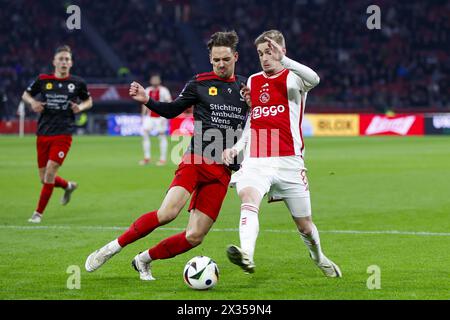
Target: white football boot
{"points": [[240, 258], [97, 258], [68, 192], [143, 268], [36, 217], [329, 268]]}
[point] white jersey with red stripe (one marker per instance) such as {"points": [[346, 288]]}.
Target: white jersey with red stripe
{"points": [[273, 134], [159, 93]]}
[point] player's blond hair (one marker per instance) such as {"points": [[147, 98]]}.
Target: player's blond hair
{"points": [[63, 48], [275, 35]]}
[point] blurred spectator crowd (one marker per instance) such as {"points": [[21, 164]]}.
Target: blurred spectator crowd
{"points": [[403, 66]]}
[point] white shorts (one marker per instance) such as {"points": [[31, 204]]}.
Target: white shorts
{"points": [[277, 183], [155, 125]]}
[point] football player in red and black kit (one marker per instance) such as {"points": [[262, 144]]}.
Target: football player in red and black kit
{"points": [[60, 93], [219, 108]]}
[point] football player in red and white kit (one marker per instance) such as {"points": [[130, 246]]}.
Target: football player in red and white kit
{"points": [[153, 122], [274, 149], [60, 92]]}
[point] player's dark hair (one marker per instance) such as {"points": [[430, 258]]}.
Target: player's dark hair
{"points": [[228, 39], [63, 48], [275, 35]]}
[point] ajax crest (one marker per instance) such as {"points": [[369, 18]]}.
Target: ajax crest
{"points": [[264, 97]]}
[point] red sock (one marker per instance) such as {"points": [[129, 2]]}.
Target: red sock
{"points": [[170, 247], [46, 193], [140, 228], [61, 183]]}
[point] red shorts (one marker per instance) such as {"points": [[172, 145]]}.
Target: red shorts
{"points": [[53, 148], [207, 183]]}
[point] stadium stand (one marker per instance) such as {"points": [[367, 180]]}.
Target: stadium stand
{"points": [[405, 66]]}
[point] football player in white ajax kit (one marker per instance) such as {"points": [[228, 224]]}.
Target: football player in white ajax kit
{"points": [[153, 122], [273, 159]]}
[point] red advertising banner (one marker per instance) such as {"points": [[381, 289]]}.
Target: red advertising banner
{"points": [[401, 124], [12, 127], [108, 92]]}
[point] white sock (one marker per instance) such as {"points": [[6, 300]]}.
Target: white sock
{"points": [[312, 241], [163, 147], [146, 145], [115, 246], [249, 228], [145, 256]]}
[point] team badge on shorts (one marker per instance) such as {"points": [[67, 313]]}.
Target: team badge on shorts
{"points": [[61, 154], [212, 91], [49, 86]]}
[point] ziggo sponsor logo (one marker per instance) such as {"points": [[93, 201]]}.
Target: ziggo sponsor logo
{"points": [[259, 112]]}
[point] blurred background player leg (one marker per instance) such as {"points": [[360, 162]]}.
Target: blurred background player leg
{"points": [[146, 144], [163, 143]]}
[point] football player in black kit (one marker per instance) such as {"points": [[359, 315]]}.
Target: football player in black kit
{"points": [[219, 107], [57, 107]]}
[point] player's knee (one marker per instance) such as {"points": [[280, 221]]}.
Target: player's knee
{"points": [[306, 230], [49, 177], [194, 237], [249, 196], [167, 214], [304, 225]]}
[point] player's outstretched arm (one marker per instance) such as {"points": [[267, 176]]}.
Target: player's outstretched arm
{"points": [[309, 77], [165, 109]]}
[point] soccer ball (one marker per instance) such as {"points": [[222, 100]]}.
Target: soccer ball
{"points": [[201, 273]]}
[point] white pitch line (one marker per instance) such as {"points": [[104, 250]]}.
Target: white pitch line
{"points": [[113, 228]]}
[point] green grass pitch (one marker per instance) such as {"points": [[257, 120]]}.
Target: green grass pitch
{"points": [[382, 201]]}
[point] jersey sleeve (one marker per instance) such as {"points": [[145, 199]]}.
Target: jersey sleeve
{"points": [[83, 93], [187, 98], [35, 87], [306, 77]]}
